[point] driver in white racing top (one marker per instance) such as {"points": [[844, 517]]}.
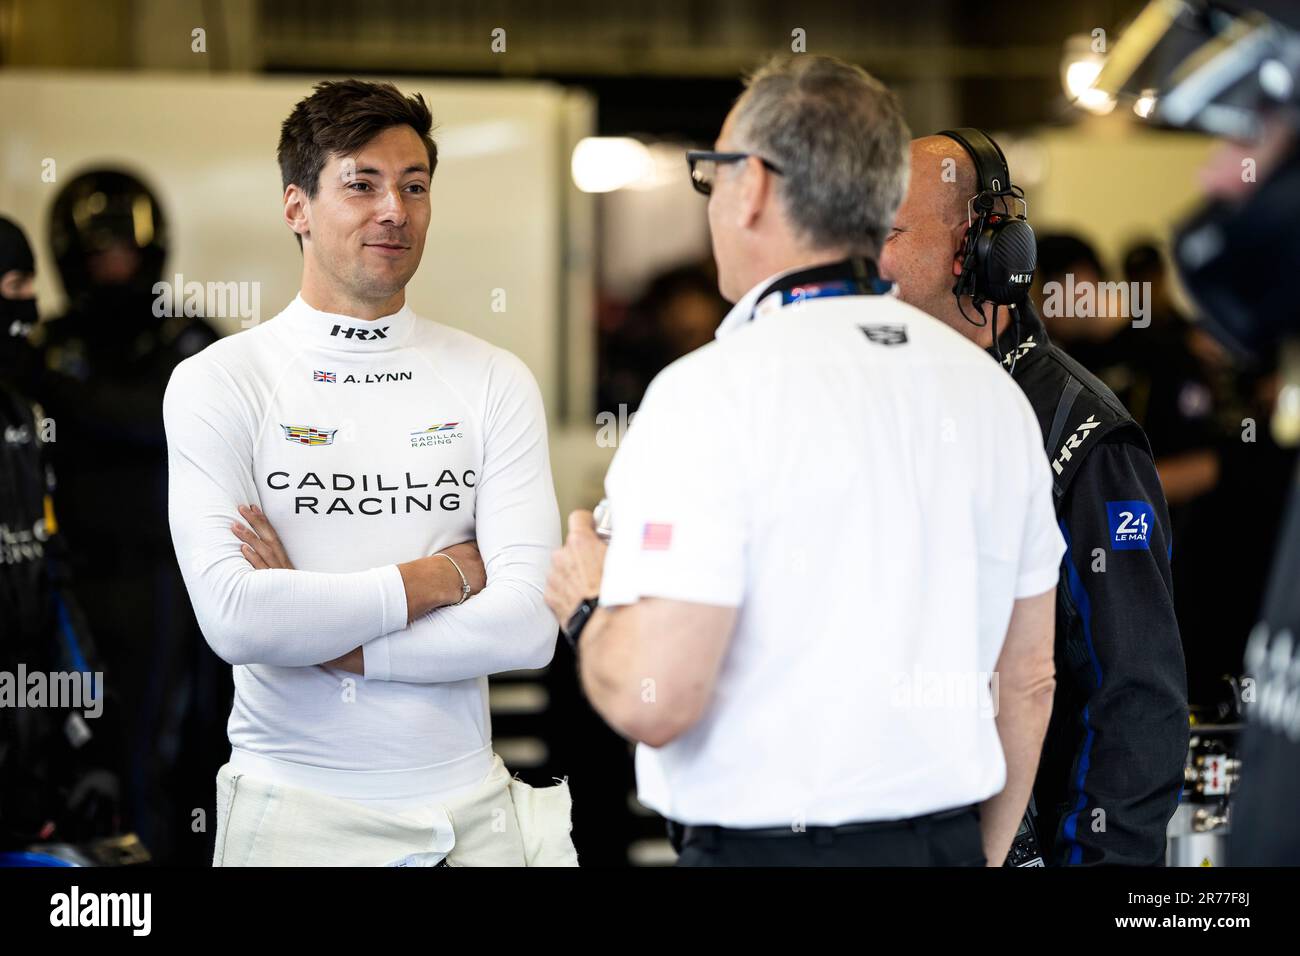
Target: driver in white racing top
{"points": [[362, 508]]}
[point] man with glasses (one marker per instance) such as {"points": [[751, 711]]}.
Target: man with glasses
{"points": [[826, 537], [704, 167]]}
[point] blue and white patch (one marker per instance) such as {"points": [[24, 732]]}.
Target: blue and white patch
{"points": [[1131, 523]]}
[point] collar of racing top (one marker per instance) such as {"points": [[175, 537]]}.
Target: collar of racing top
{"points": [[312, 327], [1025, 343]]}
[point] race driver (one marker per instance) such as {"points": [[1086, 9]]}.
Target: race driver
{"points": [[336, 473]]}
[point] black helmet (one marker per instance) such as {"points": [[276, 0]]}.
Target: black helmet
{"points": [[98, 210]]}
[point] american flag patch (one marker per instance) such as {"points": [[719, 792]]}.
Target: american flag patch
{"points": [[309, 435], [656, 537], [324, 377]]}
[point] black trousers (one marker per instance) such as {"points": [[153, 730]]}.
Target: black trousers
{"points": [[949, 838]]}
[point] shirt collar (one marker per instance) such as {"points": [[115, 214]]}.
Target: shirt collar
{"points": [[344, 332], [748, 304], [744, 307]]}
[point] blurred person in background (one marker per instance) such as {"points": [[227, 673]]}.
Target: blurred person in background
{"points": [[684, 305], [1196, 403], [107, 360], [1071, 262], [1166, 388], [1210, 413], [60, 766], [678, 312], [1149, 368]]}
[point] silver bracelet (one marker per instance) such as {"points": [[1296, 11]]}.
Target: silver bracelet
{"points": [[464, 582]]}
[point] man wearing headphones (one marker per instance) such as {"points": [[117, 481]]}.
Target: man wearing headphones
{"points": [[1112, 765]]}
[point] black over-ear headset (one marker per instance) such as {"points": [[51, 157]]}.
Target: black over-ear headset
{"points": [[999, 253]]}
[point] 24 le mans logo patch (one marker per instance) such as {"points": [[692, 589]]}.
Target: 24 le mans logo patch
{"points": [[1130, 525]]}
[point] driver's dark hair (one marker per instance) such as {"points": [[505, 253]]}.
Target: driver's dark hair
{"points": [[339, 118]]}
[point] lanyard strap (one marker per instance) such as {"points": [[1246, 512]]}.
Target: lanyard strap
{"points": [[857, 276]]}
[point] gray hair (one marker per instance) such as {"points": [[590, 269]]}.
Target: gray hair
{"points": [[839, 136]]}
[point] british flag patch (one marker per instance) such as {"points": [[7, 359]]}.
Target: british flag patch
{"points": [[324, 377]]}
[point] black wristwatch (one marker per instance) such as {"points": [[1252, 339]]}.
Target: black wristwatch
{"points": [[573, 629]]}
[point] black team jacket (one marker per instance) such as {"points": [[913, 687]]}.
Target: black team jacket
{"points": [[1111, 771]]}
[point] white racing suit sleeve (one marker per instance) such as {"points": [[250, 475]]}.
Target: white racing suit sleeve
{"points": [[507, 626], [277, 617]]}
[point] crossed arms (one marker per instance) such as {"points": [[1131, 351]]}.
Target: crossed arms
{"points": [[397, 614]]}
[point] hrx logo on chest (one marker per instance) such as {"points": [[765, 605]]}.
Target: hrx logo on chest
{"points": [[349, 332], [1073, 442]]}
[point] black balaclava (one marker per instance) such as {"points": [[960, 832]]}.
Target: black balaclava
{"points": [[17, 316]]}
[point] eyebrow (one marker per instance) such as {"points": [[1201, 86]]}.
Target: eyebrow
{"points": [[416, 168]]}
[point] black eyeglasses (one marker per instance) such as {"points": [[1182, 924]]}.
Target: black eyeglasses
{"points": [[704, 166]]}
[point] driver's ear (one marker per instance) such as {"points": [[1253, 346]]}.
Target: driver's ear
{"points": [[297, 209]]}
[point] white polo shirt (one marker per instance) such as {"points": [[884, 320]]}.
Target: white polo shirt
{"points": [[870, 490]]}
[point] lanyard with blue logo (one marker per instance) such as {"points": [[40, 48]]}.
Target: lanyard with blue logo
{"points": [[847, 277]]}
